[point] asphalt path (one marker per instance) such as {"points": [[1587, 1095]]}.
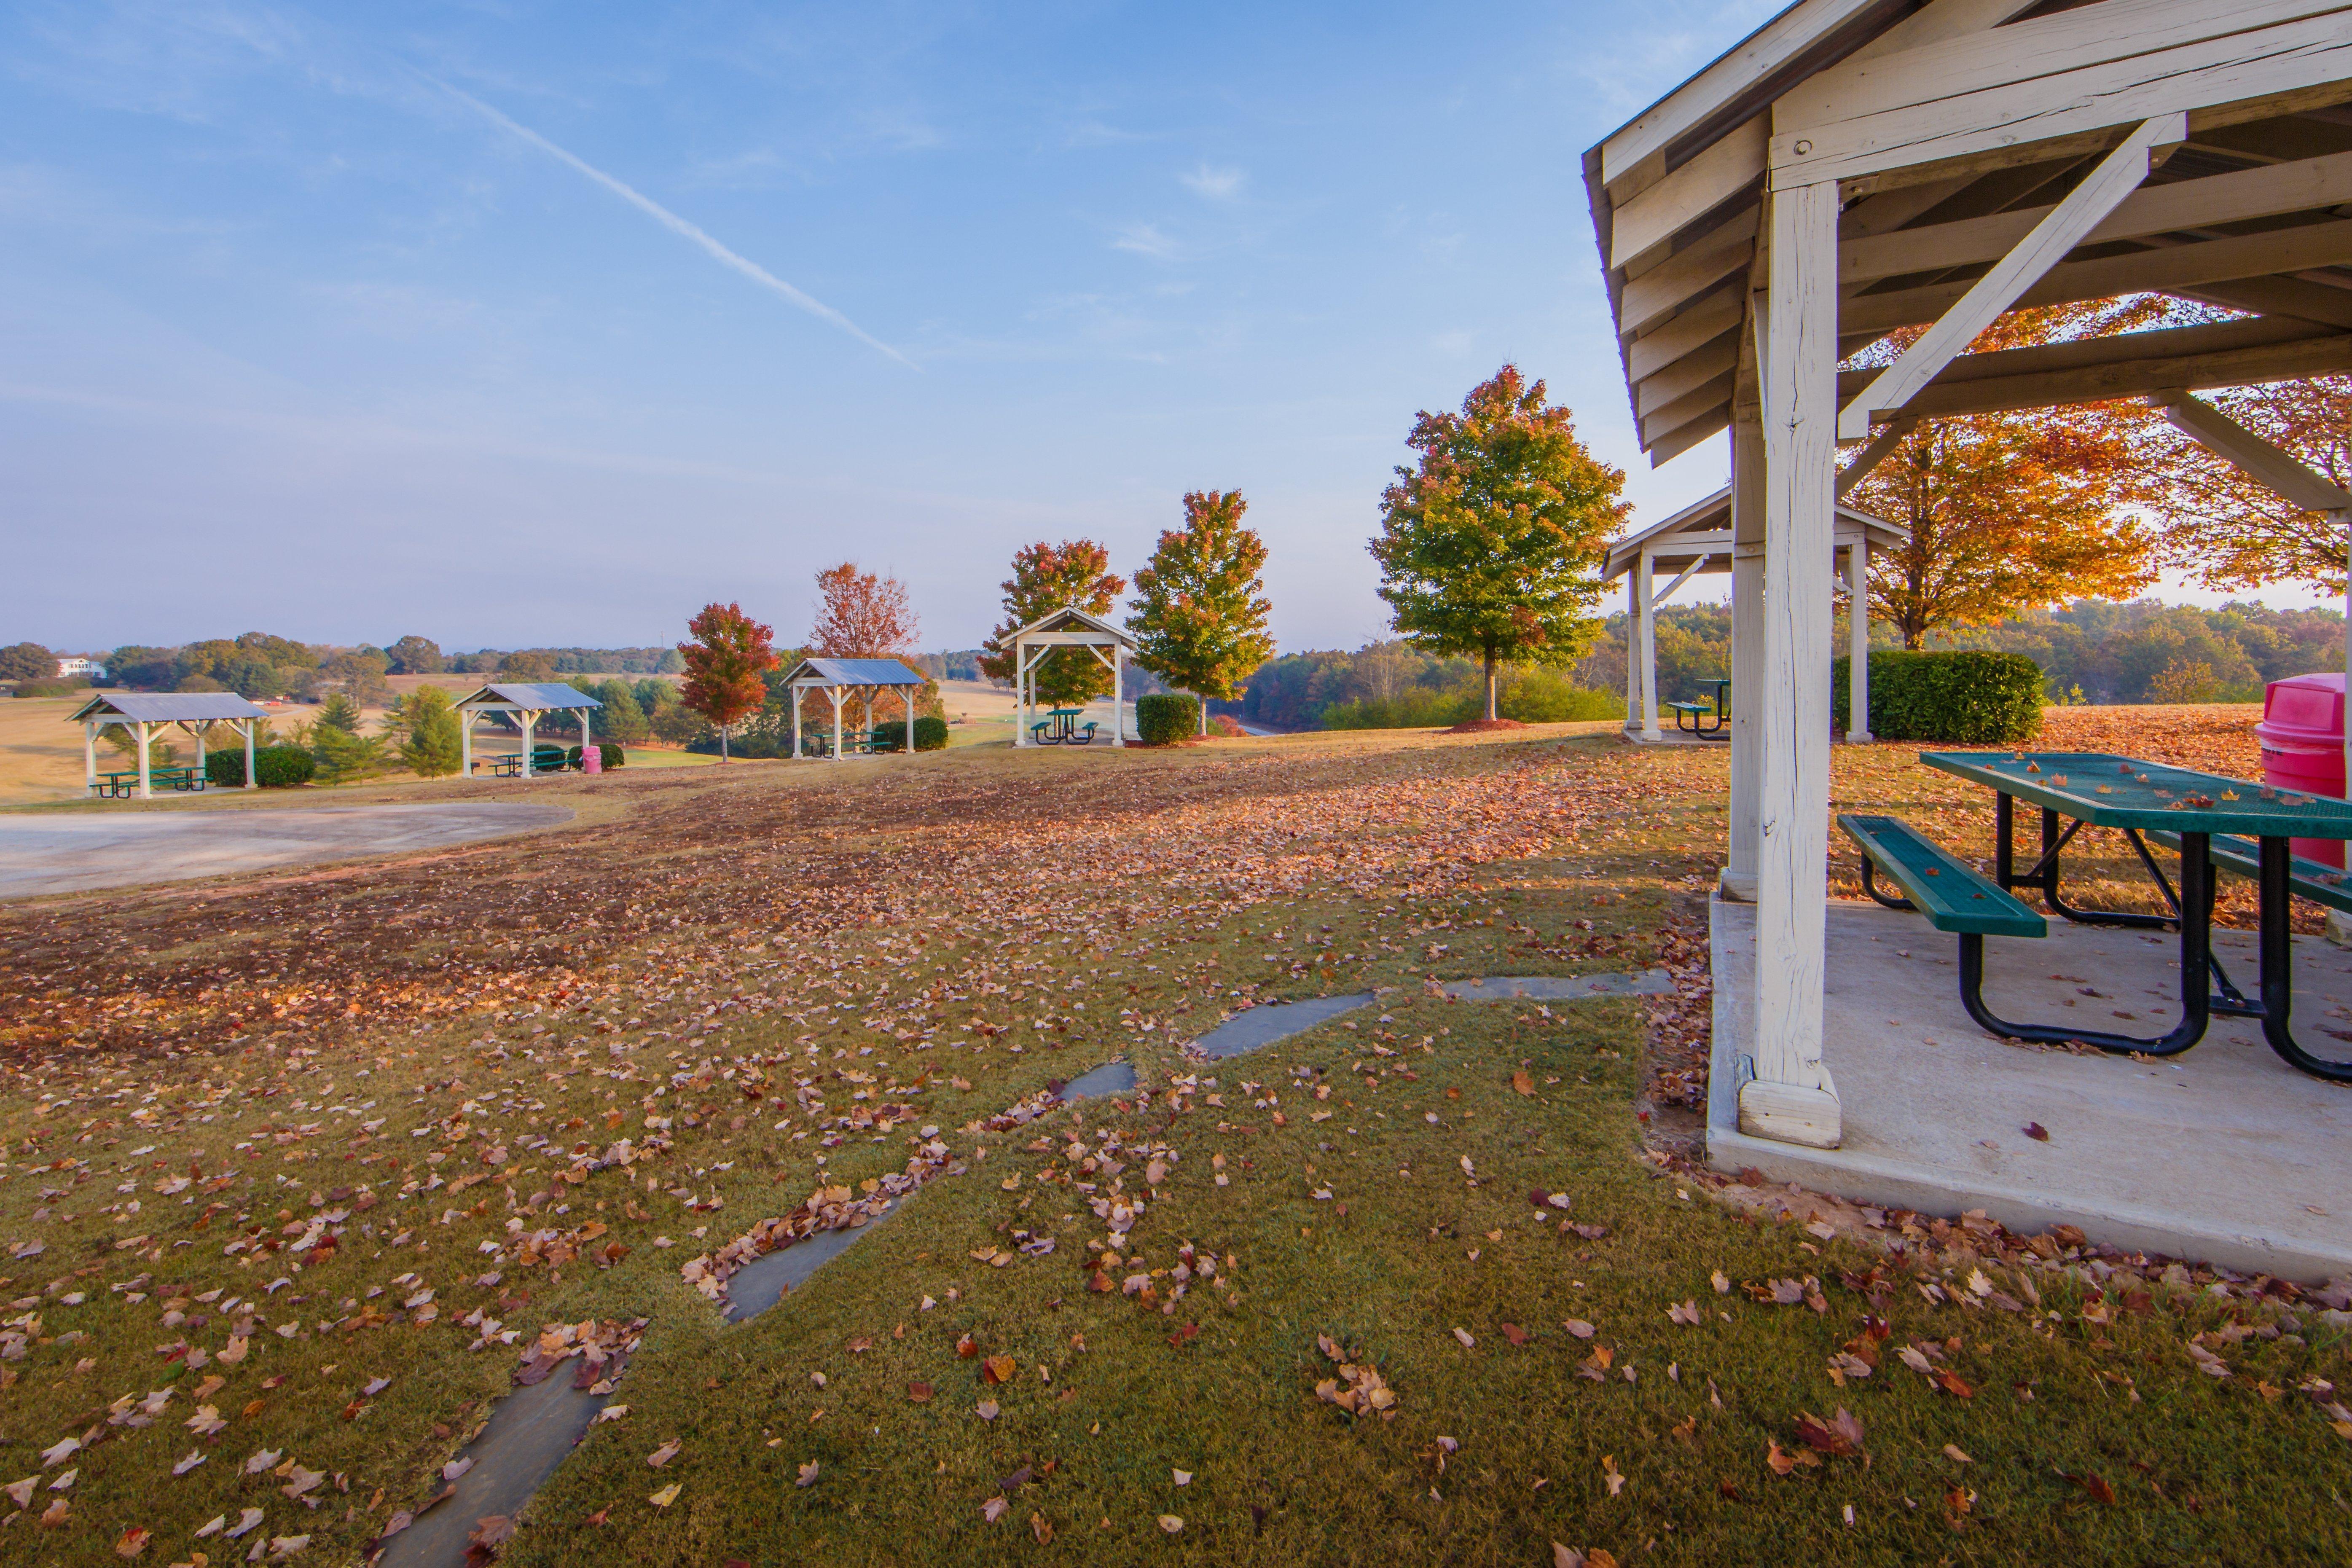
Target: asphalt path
{"points": [[81, 854]]}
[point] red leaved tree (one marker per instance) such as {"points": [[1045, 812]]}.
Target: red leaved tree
{"points": [[724, 665], [862, 616]]}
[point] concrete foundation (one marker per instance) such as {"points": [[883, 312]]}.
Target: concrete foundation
{"points": [[2224, 1154]]}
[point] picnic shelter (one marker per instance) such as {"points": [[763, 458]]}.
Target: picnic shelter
{"points": [[1857, 168], [1696, 542], [522, 703], [1068, 626], [144, 712], [842, 678]]}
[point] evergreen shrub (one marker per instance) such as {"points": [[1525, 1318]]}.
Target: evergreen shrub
{"points": [[1166, 717], [1967, 696]]}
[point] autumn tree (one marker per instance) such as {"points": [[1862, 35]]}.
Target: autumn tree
{"points": [[2012, 512], [724, 662], [1494, 545], [1046, 577], [1201, 605], [862, 616], [2228, 529]]}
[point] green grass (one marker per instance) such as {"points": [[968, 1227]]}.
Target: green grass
{"points": [[944, 892]]}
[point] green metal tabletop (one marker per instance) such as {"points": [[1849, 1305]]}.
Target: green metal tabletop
{"points": [[2108, 791]]}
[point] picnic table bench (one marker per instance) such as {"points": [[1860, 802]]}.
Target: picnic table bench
{"points": [[1689, 716], [125, 784], [2313, 879], [1061, 727]]}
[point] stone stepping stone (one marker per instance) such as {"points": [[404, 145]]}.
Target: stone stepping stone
{"points": [[762, 1282], [529, 1432], [1561, 987]]}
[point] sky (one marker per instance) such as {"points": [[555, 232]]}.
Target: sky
{"points": [[515, 324]]}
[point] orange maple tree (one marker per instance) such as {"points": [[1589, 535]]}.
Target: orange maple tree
{"points": [[861, 614], [2229, 530], [724, 662]]}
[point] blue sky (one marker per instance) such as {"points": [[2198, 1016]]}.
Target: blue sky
{"points": [[518, 323]]}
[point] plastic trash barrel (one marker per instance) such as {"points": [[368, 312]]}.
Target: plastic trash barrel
{"points": [[2302, 736], [591, 761]]}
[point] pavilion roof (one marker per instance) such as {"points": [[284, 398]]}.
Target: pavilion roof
{"points": [[1069, 617], [853, 672], [536, 697], [1713, 516], [168, 707]]}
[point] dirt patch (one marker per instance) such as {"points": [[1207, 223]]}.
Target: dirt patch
{"points": [[1481, 726]]}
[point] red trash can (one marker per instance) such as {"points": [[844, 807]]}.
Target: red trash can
{"points": [[2301, 736]]}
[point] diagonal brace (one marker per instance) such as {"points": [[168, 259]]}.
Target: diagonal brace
{"points": [[2281, 470], [2118, 174]]}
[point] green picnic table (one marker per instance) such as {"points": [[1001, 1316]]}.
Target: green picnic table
{"points": [[1060, 727], [2213, 821], [124, 785]]}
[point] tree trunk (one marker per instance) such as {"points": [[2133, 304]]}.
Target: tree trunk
{"points": [[1204, 714], [1490, 683], [722, 742]]}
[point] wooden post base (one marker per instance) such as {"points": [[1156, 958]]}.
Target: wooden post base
{"points": [[1789, 1114]]}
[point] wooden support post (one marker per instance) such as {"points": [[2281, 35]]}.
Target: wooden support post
{"points": [[250, 783], [1790, 1096], [198, 732], [89, 755], [798, 692], [1020, 693], [908, 692], [1857, 598], [145, 792], [1739, 879], [835, 692], [467, 717], [1633, 652], [529, 721], [1117, 697], [1649, 649]]}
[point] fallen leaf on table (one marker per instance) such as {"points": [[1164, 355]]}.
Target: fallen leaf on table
{"points": [[664, 1454], [666, 1496]]}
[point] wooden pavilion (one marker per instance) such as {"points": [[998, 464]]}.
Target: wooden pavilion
{"points": [[1854, 167], [524, 703], [1696, 541], [144, 712], [840, 678], [1068, 626]]}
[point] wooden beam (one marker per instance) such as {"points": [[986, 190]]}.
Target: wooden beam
{"points": [[1688, 194], [2002, 120], [1687, 273], [1667, 450], [1746, 66], [1957, 68], [1938, 20], [1696, 404], [2237, 197], [1870, 456], [2277, 297], [2281, 470], [2099, 194], [1984, 390], [1700, 323], [2173, 268], [1686, 374]]}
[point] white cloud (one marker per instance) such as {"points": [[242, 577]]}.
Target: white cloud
{"points": [[1217, 184], [1145, 239]]}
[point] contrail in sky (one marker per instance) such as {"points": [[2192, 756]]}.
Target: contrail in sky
{"points": [[676, 225]]}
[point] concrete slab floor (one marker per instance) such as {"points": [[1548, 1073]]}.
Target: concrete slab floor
{"points": [[2224, 1154], [40, 855]]}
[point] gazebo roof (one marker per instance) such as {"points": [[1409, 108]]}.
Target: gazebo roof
{"points": [[1069, 619], [1952, 130], [168, 707], [535, 697], [820, 672], [1704, 527]]}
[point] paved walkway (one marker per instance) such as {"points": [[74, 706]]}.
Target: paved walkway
{"points": [[79, 854]]}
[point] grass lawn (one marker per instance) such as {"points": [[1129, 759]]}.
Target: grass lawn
{"points": [[298, 1165]]}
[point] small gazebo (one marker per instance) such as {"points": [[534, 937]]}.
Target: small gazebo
{"points": [[1697, 541], [526, 703], [1068, 626], [840, 678], [143, 712]]}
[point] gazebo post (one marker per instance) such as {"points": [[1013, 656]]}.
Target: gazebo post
{"points": [[1791, 1097], [1118, 698], [1020, 693], [907, 693], [250, 781], [198, 732], [798, 691], [89, 755], [1739, 879], [467, 718], [1633, 653], [1857, 598], [145, 791], [530, 721], [835, 692], [1649, 649]]}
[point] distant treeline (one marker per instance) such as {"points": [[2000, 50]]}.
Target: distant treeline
{"points": [[1393, 684]]}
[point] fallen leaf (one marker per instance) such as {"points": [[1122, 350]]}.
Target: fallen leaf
{"points": [[1782, 1462], [1464, 1335], [1183, 1478], [920, 1392], [1610, 1473], [988, 1410], [1521, 1082], [2094, 1484], [666, 1496], [1515, 1334], [490, 1531], [664, 1454], [808, 1475], [1580, 1328], [1722, 1282], [1170, 1523], [132, 1542], [1684, 1312], [1841, 1435], [2035, 1130], [993, 1509], [998, 1369], [1952, 1452]]}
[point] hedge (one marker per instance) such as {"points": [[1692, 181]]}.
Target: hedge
{"points": [[931, 733], [1969, 698], [274, 767], [609, 751], [1164, 718]]}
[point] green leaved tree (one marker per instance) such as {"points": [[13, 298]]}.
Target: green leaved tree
{"points": [[1494, 545], [1046, 577], [434, 748], [1201, 605]]}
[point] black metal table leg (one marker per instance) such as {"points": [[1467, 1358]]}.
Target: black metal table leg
{"points": [[2196, 949], [2278, 968]]}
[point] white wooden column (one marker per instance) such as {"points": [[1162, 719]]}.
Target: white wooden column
{"points": [[1739, 879], [529, 721], [1020, 693], [145, 792], [250, 781], [1791, 1097], [465, 717], [1118, 698], [1633, 652], [798, 693], [1857, 641], [89, 755], [1642, 596], [835, 692], [198, 732]]}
